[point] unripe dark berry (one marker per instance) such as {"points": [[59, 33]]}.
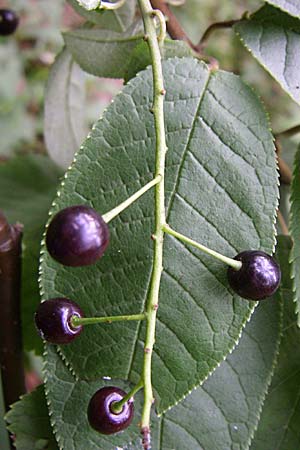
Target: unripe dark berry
{"points": [[77, 236], [53, 320], [100, 414], [258, 278], [8, 22]]}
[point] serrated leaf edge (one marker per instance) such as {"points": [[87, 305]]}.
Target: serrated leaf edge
{"points": [[263, 65]]}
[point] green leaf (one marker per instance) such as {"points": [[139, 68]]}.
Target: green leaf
{"points": [[220, 171], [117, 20], [29, 420], [27, 187], [279, 424], [140, 57], [223, 413], [273, 38], [103, 53], [64, 124], [295, 230], [292, 7]]}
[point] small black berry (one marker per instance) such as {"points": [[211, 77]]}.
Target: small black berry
{"points": [[53, 320], [8, 22], [77, 236], [258, 278], [100, 414]]}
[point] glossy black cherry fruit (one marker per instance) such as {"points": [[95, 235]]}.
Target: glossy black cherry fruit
{"points": [[258, 278], [77, 236], [100, 414], [8, 22], [53, 320]]}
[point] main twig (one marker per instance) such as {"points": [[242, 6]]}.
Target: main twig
{"points": [[152, 304]]}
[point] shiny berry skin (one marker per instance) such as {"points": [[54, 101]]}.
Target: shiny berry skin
{"points": [[258, 278], [8, 22], [52, 320], [77, 236], [100, 415]]}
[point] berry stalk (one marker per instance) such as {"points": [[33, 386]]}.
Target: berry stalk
{"points": [[229, 261], [158, 112], [118, 209], [117, 407], [77, 321]]}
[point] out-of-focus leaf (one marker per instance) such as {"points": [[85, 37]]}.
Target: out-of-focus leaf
{"points": [[27, 187], [29, 420], [64, 124], [279, 423], [273, 38], [292, 7], [295, 233]]}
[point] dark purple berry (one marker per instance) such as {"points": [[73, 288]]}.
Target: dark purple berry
{"points": [[101, 416], [77, 236], [8, 22], [53, 320], [258, 278]]}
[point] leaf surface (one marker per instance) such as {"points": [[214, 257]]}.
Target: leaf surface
{"points": [[292, 7], [29, 420], [221, 189], [279, 424], [273, 38], [27, 187], [295, 233], [223, 413], [118, 20], [64, 124]]}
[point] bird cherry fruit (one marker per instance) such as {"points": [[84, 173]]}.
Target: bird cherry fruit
{"points": [[77, 236], [100, 414], [53, 320], [258, 278], [8, 22]]}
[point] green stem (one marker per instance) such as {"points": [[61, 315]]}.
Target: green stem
{"points": [[161, 148], [229, 261], [116, 407], [77, 321], [107, 217]]}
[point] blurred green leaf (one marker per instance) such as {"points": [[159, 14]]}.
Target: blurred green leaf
{"points": [[29, 420], [279, 423], [27, 187], [295, 233], [290, 6], [273, 38], [118, 20], [64, 122]]}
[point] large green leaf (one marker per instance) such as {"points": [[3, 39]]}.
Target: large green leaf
{"points": [[295, 233], [222, 414], [117, 20], [29, 421], [64, 105], [27, 187], [290, 6], [221, 189], [273, 38], [279, 424]]}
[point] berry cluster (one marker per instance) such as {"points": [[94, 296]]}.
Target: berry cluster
{"points": [[78, 236]]}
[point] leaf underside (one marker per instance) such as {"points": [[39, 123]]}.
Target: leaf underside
{"points": [[292, 7], [223, 413], [27, 188], [221, 189], [64, 105], [273, 38], [295, 230], [279, 424]]}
